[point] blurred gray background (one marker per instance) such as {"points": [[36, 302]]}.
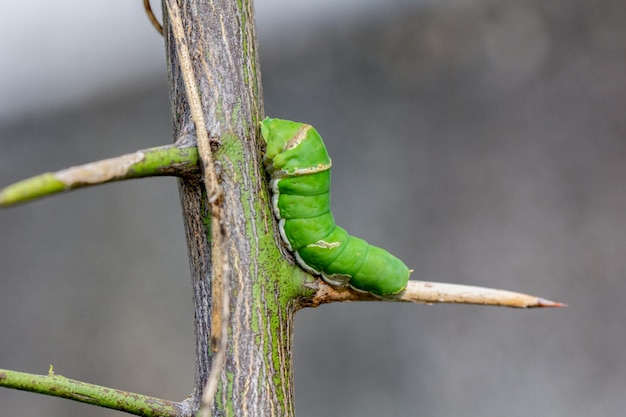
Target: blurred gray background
{"points": [[483, 142]]}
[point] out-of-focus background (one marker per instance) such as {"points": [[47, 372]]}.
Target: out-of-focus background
{"points": [[483, 142]]}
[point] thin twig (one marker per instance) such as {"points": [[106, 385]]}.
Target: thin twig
{"points": [[219, 294], [210, 389], [59, 386], [152, 17], [423, 292]]}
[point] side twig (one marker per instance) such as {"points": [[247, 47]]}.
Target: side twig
{"points": [[60, 386], [173, 160]]}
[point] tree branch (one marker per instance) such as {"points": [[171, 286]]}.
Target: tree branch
{"points": [[59, 386]]}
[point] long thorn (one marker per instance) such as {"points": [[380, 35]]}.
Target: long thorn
{"points": [[423, 292]]}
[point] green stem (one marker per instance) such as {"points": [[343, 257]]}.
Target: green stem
{"points": [[160, 161], [60, 386]]}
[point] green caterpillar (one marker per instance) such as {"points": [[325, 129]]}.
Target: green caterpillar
{"points": [[299, 166]]}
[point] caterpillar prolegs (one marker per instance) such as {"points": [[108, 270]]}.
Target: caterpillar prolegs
{"points": [[299, 166]]}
